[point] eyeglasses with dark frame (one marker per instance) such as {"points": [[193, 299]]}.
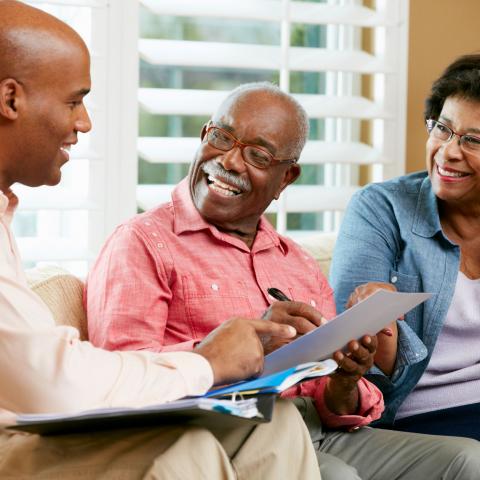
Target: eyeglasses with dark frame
{"points": [[440, 131], [252, 154]]}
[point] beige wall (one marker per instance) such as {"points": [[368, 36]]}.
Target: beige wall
{"points": [[440, 30]]}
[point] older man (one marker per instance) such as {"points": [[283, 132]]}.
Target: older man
{"points": [[171, 275], [44, 76]]}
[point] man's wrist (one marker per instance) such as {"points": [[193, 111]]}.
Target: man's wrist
{"points": [[341, 395]]}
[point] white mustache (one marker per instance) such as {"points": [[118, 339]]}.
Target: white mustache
{"points": [[212, 167]]}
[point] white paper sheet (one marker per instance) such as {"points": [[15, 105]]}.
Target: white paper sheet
{"points": [[365, 318]]}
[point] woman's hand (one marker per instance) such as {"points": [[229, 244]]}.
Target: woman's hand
{"points": [[386, 354]]}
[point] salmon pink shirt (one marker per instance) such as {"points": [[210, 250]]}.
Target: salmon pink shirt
{"points": [[166, 278]]}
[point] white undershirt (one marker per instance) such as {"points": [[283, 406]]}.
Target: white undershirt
{"points": [[452, 377]]}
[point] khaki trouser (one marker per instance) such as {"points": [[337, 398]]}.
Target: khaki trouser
{"points": [[376, 454], [279, 450]]}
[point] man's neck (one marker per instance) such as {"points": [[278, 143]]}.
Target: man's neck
{"points": [[247, 237]]}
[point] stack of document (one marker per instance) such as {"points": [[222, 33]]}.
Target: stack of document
{"points": [[278, 382]]}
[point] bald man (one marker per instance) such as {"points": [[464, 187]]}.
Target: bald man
{"points": [[44, 76]]}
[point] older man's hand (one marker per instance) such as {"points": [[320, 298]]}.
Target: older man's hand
{"points": [[234, 349], [341, 394], [301, 316]]}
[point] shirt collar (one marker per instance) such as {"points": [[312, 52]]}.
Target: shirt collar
{"points": [[8, 203], [426, 222], [188, 219]]}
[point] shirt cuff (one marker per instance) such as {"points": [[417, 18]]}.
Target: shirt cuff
{"points": [[194, 368], [370, 407]]}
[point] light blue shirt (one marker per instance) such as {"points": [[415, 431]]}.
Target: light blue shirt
{"points": [[391, 233]]}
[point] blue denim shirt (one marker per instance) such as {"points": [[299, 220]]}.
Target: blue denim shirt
{"points": [[391, 232]]}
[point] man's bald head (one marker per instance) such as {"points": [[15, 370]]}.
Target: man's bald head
{"points": [[298, 120], [31, 40], [44, 76]]}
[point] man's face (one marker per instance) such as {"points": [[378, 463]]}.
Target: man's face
{"points": [[228, 192], [51, 116]]}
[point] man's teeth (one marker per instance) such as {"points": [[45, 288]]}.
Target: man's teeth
{"points": [[65, 148], [448, 173], [221, 187]]}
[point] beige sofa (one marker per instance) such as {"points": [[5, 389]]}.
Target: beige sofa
{"points": [[63, 292]]}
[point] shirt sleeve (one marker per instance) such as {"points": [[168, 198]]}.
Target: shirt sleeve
{"points": [[370, 406], [127, 296], [46, 368], [368, 244]]}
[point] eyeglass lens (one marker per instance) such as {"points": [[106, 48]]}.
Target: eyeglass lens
{"points": [[442, 132], [223, 141]]}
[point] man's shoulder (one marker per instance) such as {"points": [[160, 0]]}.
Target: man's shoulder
{"points": [[159, 219]]}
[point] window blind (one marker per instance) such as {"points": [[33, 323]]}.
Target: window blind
{"points": [[344, 61]]}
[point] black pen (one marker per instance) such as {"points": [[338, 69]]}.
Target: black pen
{"points": [[281, 297], [278, 294]]}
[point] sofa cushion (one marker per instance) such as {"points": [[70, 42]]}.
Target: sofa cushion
{"points": [[62, 292], [320, 246]]}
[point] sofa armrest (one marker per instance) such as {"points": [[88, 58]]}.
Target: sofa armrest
{"points": [[62, 292]]}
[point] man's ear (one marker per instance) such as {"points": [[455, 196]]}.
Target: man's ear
{"points": [[290, 175], [10, 96]]}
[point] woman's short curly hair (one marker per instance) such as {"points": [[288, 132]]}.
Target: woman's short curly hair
{"points": [[460, 79]]}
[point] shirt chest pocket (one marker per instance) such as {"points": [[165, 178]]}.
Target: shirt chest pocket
{"points": [[404, 282], [209, 301], [409, 284], [305, 295]]}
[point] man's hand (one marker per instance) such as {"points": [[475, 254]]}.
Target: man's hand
{"points": [[341, 394], [234, 349], [387, 340], [299, 315]]}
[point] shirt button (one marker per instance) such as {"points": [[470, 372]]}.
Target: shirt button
{"points": [[215, 286], [147, 224], [160, 245], [154, 234], [394, 279], [313, 303]]}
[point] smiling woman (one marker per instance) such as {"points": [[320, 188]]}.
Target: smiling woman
{"points": [[454, 158], [425, 228]]}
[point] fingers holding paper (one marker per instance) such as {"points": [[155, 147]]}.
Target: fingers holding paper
{"points": [[301, 316], [365, 290], [341, 394], [358, 359]]}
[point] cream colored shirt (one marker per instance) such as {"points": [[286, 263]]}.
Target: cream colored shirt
{"points": [[47, 368]]}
